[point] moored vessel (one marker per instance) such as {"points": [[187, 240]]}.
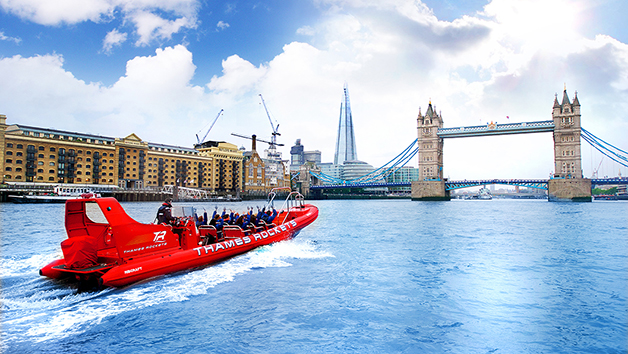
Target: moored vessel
{"points": [[60, 194]]}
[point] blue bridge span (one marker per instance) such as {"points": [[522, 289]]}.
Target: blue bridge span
{"points": [[451, 185]]}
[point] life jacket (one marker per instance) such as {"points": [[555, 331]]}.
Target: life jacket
{"points": [[161, 213]]}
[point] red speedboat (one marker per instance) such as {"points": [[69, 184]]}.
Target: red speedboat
{"points": [[106, 245]]}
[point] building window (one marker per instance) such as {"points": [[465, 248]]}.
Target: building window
{"points": [[8, 169], [9, 152], [41, 156], [52, 149], [19, 146], [9, 145], [9, 161], [41, 148]]}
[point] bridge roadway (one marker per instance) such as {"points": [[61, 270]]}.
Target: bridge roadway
{"points": [[497, 129], [451, 185]]}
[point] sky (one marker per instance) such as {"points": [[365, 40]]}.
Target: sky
{"points": [[163, 69]]}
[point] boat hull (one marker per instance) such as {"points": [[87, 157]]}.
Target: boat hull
{"points": [[141, 269], [22, 199]]}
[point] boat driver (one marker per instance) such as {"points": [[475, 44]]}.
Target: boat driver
{"points": [[164, 214]]}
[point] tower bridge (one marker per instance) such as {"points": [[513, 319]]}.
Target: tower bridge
{"points": [[567, 182]]}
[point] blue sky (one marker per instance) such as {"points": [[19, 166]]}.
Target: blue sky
{"points": [[164, 68]]}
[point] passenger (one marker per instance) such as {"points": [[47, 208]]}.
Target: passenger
{"points": [[201, 220], [239, 221], [272, 217], [260, 214], [164, 214], [218, 223]]}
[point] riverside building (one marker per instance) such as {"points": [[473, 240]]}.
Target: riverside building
{"points": [[34, 154]]}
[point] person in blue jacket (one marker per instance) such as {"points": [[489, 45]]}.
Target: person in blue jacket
{"points": [[201, 220], [272, 217]]}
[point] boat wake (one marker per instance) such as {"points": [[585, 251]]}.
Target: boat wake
{"points": [[40, 309]]}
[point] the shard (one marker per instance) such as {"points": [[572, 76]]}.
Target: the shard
{"points": [[345, 142]]}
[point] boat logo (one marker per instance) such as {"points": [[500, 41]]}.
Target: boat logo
{"points": [[160, 236]]}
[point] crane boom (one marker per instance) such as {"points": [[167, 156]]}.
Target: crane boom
{"points": [[208, 130], [257, 139], [275, 129]]}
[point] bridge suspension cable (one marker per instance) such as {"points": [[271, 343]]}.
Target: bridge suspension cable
{"points": [[612, 152], [380, 173]]}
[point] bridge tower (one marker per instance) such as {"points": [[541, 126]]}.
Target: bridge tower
{"points": [[567, 182], [566, 116], [431, 185]]}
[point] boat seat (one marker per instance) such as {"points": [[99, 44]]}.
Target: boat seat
{"points": [[208, 234], [232, 231]]}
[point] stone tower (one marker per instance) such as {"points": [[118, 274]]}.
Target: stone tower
{"points": [[430, 145], [567, 158]]}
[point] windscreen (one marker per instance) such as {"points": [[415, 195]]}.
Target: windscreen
{"points": [[94, 213], [182, 211]]}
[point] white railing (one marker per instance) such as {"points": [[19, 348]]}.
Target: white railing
{"points": [[185, 192]]}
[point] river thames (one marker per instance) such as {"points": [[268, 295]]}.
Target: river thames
{"points": [[368, 276]]}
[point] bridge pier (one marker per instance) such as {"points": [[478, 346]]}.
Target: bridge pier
{"points": [[429, 191], [569, 190]]}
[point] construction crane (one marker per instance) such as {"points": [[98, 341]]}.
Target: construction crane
{"points": [[598, 168], [200, 141], [273, 139], [256, 139]]}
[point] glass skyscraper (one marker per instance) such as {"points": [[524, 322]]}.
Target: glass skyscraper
{"points": [[345, 142]]}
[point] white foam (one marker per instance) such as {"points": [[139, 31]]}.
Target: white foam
{"points": [[10, 267], [71, 315]]}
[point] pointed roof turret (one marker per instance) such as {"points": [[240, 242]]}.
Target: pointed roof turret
{"points": [[430, 111], [575, 100], [556, 104], [565, 98]]}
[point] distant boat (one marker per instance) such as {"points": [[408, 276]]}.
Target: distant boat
{"points": [[482, 194], [59, 195]]}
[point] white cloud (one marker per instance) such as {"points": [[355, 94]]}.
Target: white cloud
{"points": [[4, 37], [221, 25], [113, 39], [151, 26], [154, 19], [306, 31], [60, 11]]}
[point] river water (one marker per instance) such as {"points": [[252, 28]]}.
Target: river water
{"points": [[369, 276]]}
